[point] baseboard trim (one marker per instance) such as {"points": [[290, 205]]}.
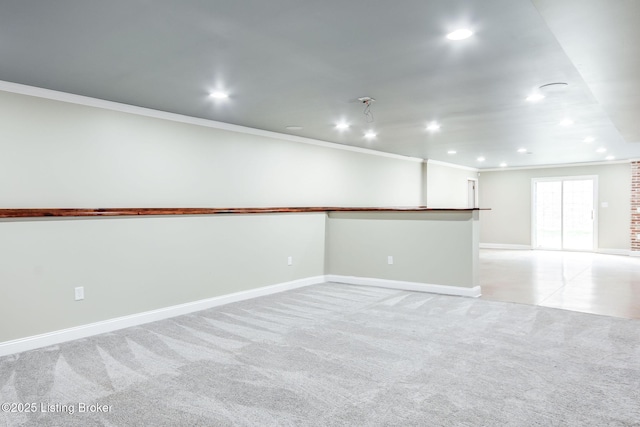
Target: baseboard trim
{"points": [[615, 252], [504, 246], [64, 335], [526, 247], [407, 286]]}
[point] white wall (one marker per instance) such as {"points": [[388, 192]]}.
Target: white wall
{"points": [[447, 186], [508, 194], [439, 248], [57, 154], [131, 265]]}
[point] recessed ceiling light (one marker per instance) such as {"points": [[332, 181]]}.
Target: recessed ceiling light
{"points": [[460, 34], [342, 126], [503, 165], [434, 126], [609, 158], [370, 135], [535, 97], [219, 95], [589, 139], [451, 152], [601, 150], [294, 128], [566, 122], [522, 150], [481, 159]]}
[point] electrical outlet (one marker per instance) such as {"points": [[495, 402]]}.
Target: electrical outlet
{"points": [[390, 259], [289, 260], [79, 292]]}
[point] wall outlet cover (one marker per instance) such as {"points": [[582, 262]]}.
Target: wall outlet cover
{"points": [[79, 293]]}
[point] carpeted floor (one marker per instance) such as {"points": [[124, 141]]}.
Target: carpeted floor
{"points": [[338, 355]]}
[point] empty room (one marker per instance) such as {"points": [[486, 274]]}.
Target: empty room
{"points": [[336, 213]]}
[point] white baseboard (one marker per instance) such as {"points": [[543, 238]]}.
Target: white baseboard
{"points": [[526, 247], [615, 252], [504, 246], [84, 331], [57, 337], [407, 286]]}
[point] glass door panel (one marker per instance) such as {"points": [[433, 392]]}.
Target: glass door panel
{"points": [[577, 215], [548, 214]]}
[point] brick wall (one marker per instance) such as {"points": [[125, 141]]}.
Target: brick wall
{"points": [[635, 204]]}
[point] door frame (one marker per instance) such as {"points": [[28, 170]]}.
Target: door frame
{"points": [[472, 182], [534, 243]]}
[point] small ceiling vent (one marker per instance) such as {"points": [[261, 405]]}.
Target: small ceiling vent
{"points": [[552, 88]]}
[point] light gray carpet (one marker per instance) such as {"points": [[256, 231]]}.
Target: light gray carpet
{"points": [[336, 355]]}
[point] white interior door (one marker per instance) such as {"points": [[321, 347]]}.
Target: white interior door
{"points": [[564, 214], [472, 193]]}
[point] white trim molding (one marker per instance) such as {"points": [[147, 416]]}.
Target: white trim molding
{"points": [[109, 325], [451, 165], [504, 246], [473, 292], [562, 165], [148, 112], [625, 252], [83, 331]]}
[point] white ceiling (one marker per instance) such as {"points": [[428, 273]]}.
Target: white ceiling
{"points": [[304, 63]]}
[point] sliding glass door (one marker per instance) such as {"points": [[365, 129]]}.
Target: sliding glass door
{"points": [[548, 214], [564, 213]]}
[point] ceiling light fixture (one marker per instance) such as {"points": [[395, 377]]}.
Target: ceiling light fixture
{"points": [[434, 126], [601, 150], [370, 135], [460, 34], [610, 158], [589, 139], [342, 126], [566, 122], [535, 97], [451, 152], [481, 159], [294, 128], [503, 165], [219, 95], [522, 150], [367, 101]]}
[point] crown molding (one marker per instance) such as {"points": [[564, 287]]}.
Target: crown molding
{"points": [[450, 165], [564, 165], [148, 112]]}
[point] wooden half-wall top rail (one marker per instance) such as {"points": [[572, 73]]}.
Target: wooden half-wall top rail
{"points": [[63, 212]]}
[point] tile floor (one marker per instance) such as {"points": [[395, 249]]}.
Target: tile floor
{"points": [[578, 281]]}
